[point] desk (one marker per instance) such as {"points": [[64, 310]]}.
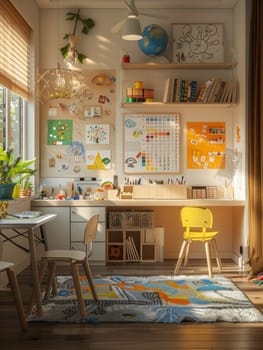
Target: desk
{"points": [[30, 225], [229, 219]]}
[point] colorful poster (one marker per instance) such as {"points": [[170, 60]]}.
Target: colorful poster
{"points": [[97, 134], [98, 160], [151, 143], [206, 145], [60, 132]]}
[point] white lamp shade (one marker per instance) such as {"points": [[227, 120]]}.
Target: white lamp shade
{"points": [[132, 29]]}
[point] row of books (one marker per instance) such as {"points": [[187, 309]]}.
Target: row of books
{"points": [[213, 90], [179, 90], [131, 250]]}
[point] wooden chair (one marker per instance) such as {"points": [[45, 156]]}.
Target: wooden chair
{"points": [[197, 222], [8, 267], [75, 258]]}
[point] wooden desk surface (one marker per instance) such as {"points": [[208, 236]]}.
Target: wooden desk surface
{"points": [[139, 203]]}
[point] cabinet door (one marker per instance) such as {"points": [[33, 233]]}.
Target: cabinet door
{"points": [[58, 230], [79, 214]]}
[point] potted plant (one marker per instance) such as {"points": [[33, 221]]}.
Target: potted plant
{"points": [[70, 49], [13, 170]]}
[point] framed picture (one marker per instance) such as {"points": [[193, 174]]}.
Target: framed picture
{"points": [[92, 112], [198, 43], [151, 143]]}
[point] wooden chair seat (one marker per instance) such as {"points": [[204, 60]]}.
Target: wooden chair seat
{"points": [[8, 267], [74, 258]]}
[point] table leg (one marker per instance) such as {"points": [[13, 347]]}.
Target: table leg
{"points": [[36, 283]]}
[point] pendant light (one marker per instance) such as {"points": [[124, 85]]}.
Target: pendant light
{"points": [[132, 29], [59, 82]]}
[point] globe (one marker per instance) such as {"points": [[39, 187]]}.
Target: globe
{"points": [[154, 40]]}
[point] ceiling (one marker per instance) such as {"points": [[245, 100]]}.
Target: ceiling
{"points": [[151, 4]]}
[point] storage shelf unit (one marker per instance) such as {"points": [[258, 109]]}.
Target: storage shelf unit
{"points": [[126, 237]]}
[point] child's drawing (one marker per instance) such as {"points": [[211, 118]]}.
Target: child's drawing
{"points": [[97, 134], [198, 43]]}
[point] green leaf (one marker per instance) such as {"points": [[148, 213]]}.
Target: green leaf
{"points": [[71, 16], [64, 50], [81, 57]]}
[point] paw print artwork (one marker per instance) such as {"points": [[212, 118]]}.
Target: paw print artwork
{"points": [[198, 43]]}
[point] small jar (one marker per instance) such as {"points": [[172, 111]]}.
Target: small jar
{"points": [[125, 58]]}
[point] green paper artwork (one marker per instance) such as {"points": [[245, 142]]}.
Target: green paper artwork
{"points": [[60, 132]]}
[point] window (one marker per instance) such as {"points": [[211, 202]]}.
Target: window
{"points": [[15, 48], [11, 120]]}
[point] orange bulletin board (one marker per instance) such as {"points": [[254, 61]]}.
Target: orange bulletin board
{"points": [[206, 145]]}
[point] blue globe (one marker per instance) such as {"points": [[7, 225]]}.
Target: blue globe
{"points": [[154, 40]]}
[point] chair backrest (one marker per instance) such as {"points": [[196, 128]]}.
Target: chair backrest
{"points": [[90, 233], [195, 217]]}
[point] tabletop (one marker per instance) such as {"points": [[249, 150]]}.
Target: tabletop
{"points": [[10, 221]]}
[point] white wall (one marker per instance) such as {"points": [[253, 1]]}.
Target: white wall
{"points": [[105, 49]]}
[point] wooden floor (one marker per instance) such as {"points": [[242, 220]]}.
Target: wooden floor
{"points": [[216, 336]]}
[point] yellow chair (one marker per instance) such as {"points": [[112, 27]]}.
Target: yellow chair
{"points": [[8, 267], [75, 258], [197, 222]]}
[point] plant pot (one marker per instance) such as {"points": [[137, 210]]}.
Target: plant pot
{"points": [[25, 193], [6, 191]]}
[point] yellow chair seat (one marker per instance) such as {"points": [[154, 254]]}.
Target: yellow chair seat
{"points": [[197, 223]]}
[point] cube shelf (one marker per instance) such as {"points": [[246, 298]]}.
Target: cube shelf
{"points": [[127, 245]]}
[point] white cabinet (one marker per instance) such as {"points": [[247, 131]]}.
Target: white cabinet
{"points": [[58, 230], [79, 217]]}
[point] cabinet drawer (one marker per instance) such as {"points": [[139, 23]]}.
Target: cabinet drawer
{"points": [[85, 213], [77, 232], [98, 250]]}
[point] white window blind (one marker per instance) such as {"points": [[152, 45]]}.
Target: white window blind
{"points": [[15, 36]]}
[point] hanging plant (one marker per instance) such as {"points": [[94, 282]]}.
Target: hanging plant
{"points": [[70, 50]]}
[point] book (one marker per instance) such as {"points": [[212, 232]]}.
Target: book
{"points": [[214, 90], [201, 92], [208, 86], [193, 90], [26, 214], [167, 88]]}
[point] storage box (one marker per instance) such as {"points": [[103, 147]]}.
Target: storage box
{"points": [[171, 191], [144, 192], [160, 191], [111, 194]]}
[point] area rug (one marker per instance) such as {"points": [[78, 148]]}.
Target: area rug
{"points": [[162, 299]]}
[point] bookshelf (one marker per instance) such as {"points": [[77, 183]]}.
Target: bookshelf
{"points": [[129, 237], [152, 66], [176, 66]]}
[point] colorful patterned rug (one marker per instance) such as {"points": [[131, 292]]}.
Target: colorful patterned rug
{"points": [[163, 299]]}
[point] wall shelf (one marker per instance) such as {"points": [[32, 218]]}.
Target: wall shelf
{"points": [[177, 66], [134, 105]]}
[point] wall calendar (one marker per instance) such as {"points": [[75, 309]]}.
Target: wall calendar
{"points": [[151, 143]]}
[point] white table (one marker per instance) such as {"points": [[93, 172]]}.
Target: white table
{"points": [[30, 226]]}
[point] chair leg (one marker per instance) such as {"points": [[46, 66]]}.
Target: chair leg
{"points": [[17, 296], [187, 253], [218, 260], [208, 258], [51, 281], [42, 270], [76, 279], [180, 258], [88, 272]]}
